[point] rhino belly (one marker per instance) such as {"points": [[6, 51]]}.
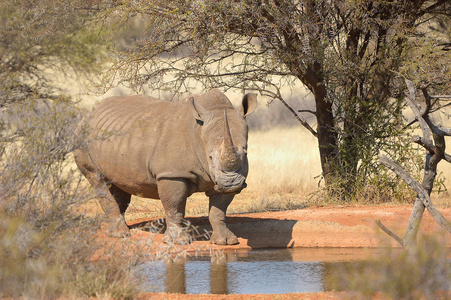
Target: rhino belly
{"points": [[129, 180], [125, 168], [139, 189]]}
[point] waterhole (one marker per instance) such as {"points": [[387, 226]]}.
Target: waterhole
{"points": [[271, 271]]}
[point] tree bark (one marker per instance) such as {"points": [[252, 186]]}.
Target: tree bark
{"points": [[410, 236], [327, 137]]}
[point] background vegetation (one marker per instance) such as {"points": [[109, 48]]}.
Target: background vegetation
{"points": [[46, 243], [351, 55], [423, 273]]}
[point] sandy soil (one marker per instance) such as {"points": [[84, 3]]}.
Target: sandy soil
{"points": [[343, 227]]}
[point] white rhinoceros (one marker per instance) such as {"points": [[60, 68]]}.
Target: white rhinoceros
{"points": [[167, 150]]}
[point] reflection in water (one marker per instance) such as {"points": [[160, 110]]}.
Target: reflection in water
{"points": [[258, 271], [218, 277], [175, 277]]}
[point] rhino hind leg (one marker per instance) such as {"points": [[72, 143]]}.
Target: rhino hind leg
{"points": [[116, 205], [173, 194], [113, 201], [217, 215]]}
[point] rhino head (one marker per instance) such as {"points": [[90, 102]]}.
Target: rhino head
{"points": [[224, 135]]}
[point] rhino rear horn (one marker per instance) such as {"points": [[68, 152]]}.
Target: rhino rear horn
{"points": [[229, 160]]}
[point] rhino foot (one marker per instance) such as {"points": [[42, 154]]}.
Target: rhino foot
{"points": [[225, 239], [176, 236], [118, 234], [118, 229]]}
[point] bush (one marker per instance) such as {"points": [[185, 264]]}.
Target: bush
{"points": [[375, 184], [47, 244], [420, 273]]}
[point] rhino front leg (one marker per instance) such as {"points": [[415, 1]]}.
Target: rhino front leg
{"points": [[217, 215], [173, 194]]}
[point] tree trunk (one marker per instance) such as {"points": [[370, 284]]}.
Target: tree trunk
{"points": [[327, 138], [410, 236]]}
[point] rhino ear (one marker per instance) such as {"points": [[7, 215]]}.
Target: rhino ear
{"points": [[248, 104], [199, 112]]}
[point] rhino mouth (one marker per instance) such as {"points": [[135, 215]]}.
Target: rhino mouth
{"points": [[230, 183], [229, 190]]}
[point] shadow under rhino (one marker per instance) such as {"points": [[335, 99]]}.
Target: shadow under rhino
{"points": [[259, 233]]}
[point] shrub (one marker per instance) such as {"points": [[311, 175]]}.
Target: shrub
{"points": [[47, 244], [421, 273]]}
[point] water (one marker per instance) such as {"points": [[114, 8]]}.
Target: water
{"points": [[275, 271]]}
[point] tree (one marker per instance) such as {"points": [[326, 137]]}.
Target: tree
{"points": [[41, 43], [39, 39], [435, 147], [347, 53]]}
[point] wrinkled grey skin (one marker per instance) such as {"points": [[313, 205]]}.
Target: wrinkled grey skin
{"points": [[143, 146]]}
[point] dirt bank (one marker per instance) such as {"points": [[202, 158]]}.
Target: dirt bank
{"points": [[347, 226]]}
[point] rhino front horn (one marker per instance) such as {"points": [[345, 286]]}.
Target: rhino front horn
{"points": [[229, 160]]}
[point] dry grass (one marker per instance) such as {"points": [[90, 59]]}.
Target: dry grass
{"points": [[423, 272], [284, 161], [284, 166]]}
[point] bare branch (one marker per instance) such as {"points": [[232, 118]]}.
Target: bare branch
{"points": [[438, 129], [422, 193], [415, 106], [303, 122], [278, 96], [440, 106], [307, 111], [440, 96], [429, 147], [389, 232]]}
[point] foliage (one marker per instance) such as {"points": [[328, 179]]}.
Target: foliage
{"points": [[423, 272], [349, 54], [430, 52], [44, 40], [46, 242], [38, 264]]}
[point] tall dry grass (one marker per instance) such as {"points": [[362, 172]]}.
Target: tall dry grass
{"points": [[283, 160], [47, 242], [423, 272]]}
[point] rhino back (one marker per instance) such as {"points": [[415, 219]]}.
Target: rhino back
{"points": [[139, 139]]}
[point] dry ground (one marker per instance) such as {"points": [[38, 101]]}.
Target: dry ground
{"points": [[338, 227]]}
